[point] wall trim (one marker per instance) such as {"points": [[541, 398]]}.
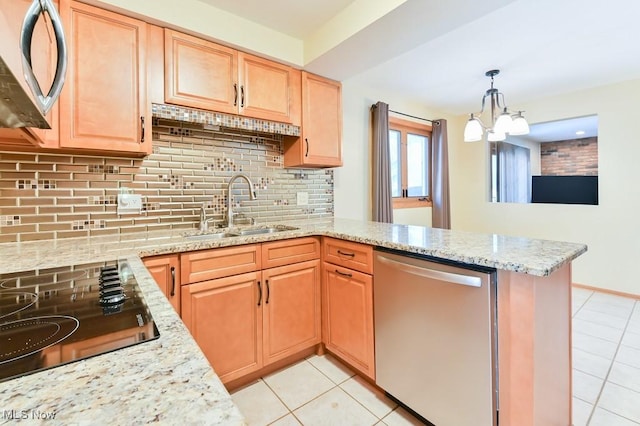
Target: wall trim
{"points": [[606, 290]]}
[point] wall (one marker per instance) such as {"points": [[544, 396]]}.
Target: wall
{"points": [[577, 157], [44, 196], [611, 229], [353, 181]]}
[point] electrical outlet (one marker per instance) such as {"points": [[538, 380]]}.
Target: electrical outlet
{"points": [[302, 198], [129, 203]]}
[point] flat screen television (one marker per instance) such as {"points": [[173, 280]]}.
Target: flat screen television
{"points": [[564, 189]]}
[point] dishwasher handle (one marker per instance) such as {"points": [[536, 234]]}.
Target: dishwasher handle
{"points": [[449, 277]]}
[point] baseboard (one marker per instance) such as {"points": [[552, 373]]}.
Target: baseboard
{"points": [[606, 290]]}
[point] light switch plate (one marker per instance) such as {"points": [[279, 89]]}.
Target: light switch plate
{"points": [[129, 203], [302, 198]]}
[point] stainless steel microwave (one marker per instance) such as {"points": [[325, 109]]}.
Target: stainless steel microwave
{"points": [[22, 101]]}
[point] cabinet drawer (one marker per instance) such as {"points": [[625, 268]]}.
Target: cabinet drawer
{"points": [[216, 263], [286, 252], [347, 254]]}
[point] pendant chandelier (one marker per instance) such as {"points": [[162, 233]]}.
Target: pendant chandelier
{"points": [[505, 123]]}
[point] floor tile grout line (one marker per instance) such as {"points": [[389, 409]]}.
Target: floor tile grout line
{"points": [[327, 376], [365, 407], [613, 360], [583, 303], [617, 414]]}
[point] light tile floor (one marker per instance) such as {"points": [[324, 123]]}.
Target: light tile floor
{"points": [[606, 378]]}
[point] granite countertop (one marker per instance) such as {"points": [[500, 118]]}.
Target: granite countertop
{"points": [[518, 254], [169, 380]]}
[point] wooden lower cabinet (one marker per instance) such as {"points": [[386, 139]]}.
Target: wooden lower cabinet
{"points": [[347, 300], [166, 271], [247, 321], [224, 316], [291, 309]]}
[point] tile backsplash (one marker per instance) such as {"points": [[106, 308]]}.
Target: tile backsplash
{"points": [[50, 195]]}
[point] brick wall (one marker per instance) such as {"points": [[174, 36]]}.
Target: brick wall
{"points": [[577, 157], [48, 196]]}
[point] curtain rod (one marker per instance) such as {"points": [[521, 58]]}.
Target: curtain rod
{"points": [[413, 116], [436, 122]]}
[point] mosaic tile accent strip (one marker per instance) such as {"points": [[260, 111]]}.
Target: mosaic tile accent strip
{"points": [[229, 121], [9, 220], [55, 196]]}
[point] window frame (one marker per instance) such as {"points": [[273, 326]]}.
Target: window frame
{"points": [[404, 127]]}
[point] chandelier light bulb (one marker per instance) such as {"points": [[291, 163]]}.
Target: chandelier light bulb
{"points": [[494, 136], [504, 123], [473, 130], [520, 125]]}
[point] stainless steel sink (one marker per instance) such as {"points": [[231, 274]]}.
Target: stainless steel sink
{"points": [[240, 232], [215, 236], [258, 231], [267, 230]]}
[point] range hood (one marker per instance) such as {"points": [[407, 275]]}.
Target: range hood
{"points": [[22, 102]]}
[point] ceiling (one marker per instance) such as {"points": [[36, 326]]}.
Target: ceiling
{"points": [[436, 52], [292, 17], [563, 130]]}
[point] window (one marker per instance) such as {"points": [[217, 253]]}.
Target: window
{"points": [[410, 157]]}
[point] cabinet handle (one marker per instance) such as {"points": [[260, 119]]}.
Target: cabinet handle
{"points": [[142, 134], [268, 292], [173, 281], [235, 96], [306, 154], [344, 253], [259, 292], [241, 96], [344, 274]]}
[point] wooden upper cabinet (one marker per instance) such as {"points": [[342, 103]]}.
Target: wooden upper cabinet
{"points": [[166, 271], [200, 74], [103, 104], [43, 56], [266, 88], [321, 142]]}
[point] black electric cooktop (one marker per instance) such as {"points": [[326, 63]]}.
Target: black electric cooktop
{"points": [[50, 317]]}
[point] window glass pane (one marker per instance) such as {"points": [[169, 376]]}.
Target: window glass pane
{"points": [[394, 158], [418, 165]]}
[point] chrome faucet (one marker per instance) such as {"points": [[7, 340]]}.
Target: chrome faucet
{"points": [[204, 222], [252, 195]]}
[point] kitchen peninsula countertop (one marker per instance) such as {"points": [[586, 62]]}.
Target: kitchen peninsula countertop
{"points": [[169, 380]]}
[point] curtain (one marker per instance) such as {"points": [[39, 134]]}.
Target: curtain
{"points": [[441, 210], [382, 202], [514, 173]]}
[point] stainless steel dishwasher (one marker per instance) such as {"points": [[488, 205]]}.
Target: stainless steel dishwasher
{"points": [[435, 338]]}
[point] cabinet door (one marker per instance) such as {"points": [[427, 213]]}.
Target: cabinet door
{"points": [[266, 88], [225, 318], [200, 74], [291, 309], [348, 316], [286, 252], [166, 271], [321, 141], [43, 55], [103, 104], [219, 262]]}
